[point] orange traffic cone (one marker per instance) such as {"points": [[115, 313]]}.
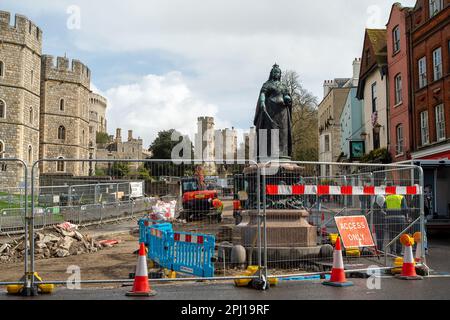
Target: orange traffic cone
{"points": [[141, 286], [408, 268], [337, 273], [417, 239]]}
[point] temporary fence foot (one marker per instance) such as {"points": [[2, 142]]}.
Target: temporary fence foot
{"points": [[338, 284], [141, 294], [260, 284], [29, 291], [409, 277]]}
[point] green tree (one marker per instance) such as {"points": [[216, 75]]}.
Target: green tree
{"points": [[101, 137], [305, 132], [119, 169], [161, 149]]}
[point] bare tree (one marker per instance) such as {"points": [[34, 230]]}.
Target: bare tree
{"points": [[305, 138]]}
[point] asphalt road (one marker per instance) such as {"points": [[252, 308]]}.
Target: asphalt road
{"points": [[435, 287], [390, 289]]}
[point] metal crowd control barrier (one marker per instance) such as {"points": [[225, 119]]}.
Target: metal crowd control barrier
{"points": [[344, 190], [184, 252], [348, 190], [24, 217]]}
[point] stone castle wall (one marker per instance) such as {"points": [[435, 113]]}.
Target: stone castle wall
{"points": [[70, 83], [20, 52]]}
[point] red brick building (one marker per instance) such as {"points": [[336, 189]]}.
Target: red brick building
{"points": [[400, 106], [430, 79]]}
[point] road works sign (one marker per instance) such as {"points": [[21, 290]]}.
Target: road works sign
{"points": [[354, 231]]}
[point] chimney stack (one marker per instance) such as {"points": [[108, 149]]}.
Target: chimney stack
{"points": [[356, 70], [130, 135]]}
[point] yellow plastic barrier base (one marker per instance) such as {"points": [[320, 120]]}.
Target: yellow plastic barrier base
{"points": [[333, 238], [16, 289], [251, 271], [170, 274], [352, 252]]}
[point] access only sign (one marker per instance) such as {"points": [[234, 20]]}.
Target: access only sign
{"points": [[354, 231]]}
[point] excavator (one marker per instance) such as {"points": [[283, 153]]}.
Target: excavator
{"points": [[198, 201]]}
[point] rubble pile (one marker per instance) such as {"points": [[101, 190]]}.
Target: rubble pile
{"points": [[60, 241]]}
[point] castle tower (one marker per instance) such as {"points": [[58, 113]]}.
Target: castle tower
{"points": [[20, 71], [97, 121], [64, 127], [204, 143]]}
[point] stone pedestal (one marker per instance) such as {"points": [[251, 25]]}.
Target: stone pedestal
{"points": [[285, 229]]}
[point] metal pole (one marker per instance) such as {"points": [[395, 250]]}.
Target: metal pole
{"points": [[30, 273], [265, 224], [26, 223], [318, 210], [422, 216], [258, 203]]}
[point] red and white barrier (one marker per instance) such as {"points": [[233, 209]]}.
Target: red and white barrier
{"points": [[188, 238], [284, 190]]}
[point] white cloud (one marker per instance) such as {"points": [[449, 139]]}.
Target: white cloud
{"points": [[224, 47], [156, 103]]}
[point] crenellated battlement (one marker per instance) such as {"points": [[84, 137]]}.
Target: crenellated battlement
{"points": [[65, 70], [95, 98], [23, 31], [206, 119]]}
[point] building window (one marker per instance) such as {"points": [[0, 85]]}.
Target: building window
{"points": [[61, 105], [435, 7], [60, 165], [2, 69], [422, 72], [30, 154], [396, 37], [31, 116], [440, 123], [327, 143], [437, 63], [2, 149], [2, 109], [374, 97], [376, 139], [62, 133], [398, 89], [2, 155], [424, 133], [400, 141], [32, 77]]}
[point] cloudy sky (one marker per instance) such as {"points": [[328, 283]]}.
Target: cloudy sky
{"points": [[163, 63]]}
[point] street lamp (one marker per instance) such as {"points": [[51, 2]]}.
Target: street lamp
{"points": [[91, 154]]}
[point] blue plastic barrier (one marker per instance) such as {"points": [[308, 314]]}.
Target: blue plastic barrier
{"points": [[184, 252], [192, 253]]}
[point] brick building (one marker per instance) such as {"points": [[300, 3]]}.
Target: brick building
{"points": [[400, 104], [431, 79]]}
